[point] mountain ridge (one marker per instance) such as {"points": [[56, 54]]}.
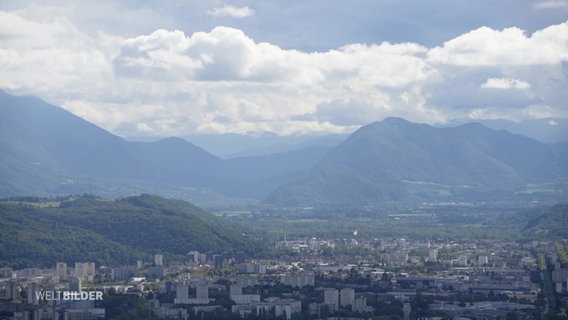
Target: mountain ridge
{"points": [[47, 151], [395, 154], [112, 231]]}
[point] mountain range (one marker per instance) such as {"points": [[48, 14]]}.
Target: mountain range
{"points": [[47, 151]]}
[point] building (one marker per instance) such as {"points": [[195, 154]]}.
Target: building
{"points": [[182, 293], [298, 280], [85, 270], [123, 273], [347, 297], [252, 268], [159, 260], [331, 299], [61, 270], [76, 284], [275, 307], [462, 260], [6, 272], [240, 257], [287, 307], [245, 298], [235, 290], [202, 292], [360, 305], [247, 281], [33, 290], [219, 261], [433, 255], [193, 257], [13, 290], [482, 260]]}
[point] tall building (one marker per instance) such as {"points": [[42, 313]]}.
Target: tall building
{"points": [[240, 257], [298, 280], [433, 255], [202, 292], [193, 257], [13, 290], [219, 261], [462, 260], [84, 269], [76, 284], [235, 290], [347, 296], [331, 298], [33, 290], [61, 270], [159, 260], [182, 291]]}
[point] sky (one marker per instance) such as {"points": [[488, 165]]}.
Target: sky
{"points": [[178, 68]]}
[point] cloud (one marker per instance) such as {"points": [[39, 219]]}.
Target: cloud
{"points": [[510, 46], [172, 55], [552, 4], [231, 11], [143, 127], [169, 82], [505, 83], [346, 112]]}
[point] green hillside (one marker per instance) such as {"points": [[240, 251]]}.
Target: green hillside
{"points": [[41, 232], [396, 160], [548, 222]]}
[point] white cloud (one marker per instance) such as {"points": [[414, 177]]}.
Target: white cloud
{"points": [[231, 11], [510, 46], [505, 83], [552, 4], [143, 127], [168, 82], [552, 123]]}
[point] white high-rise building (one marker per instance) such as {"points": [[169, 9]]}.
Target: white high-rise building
{"points": [[433, 255], [159, 260]]}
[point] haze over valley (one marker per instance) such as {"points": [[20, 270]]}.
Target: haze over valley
{"points": [[297, 160], [47, 151]]}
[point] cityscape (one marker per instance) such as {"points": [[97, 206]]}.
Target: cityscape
{"points": [[283, 160], [393, 278]]}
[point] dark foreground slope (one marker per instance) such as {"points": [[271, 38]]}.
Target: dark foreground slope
{"points": [[111, 232], [396, 160]]}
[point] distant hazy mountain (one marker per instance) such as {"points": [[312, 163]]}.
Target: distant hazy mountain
{"points": [[48, 151], [229, 146], [395, 160], [548, 130]]}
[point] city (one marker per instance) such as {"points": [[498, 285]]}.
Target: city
{"points": [[388, 278]]}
